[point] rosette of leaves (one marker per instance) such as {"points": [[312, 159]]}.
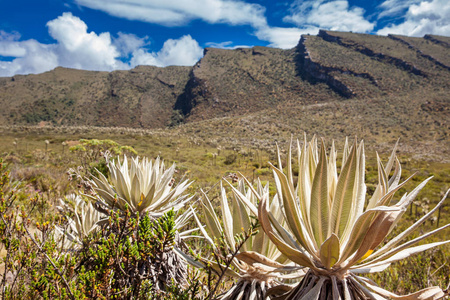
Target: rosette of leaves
{"points": [[82, 220], [145, 188], [334, 232], [141, 187], [246, 254]]}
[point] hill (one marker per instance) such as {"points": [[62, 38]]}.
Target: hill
{"points": [[142, 97], [335, 83]]}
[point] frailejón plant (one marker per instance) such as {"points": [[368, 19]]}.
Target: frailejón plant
{"points": [[144, 186], [252, 258], [333, 231], [146, 189], [82, 220]]}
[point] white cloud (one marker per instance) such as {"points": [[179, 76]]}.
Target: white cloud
{"points": [[127, 43], [331, 15], [395, 8], [184, 51], [284, 38], [180, 12], [222, 45], [76, 47], [9, 45], [426, 17], [310, 16], [226, 45], [29, 56], [13, 36]]}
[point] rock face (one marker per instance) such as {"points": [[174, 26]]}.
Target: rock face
{"points": [[314, 71], [332, 66], [411, 45], [400, 63], [236, 82]]}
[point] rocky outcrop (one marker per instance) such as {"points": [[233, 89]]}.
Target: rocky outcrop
{"points": [[436, 41], [314, 71], [187, 100], [419, 52], [399, 63]]}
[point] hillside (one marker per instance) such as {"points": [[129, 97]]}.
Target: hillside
{"points": [[334, 83], [142, 97]]}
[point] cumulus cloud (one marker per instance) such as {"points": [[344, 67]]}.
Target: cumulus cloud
{"points": [[28, 56], [76, 47], [180, 12], [331, 15], [422, 18], [9, 45], [310, 16], [127, 43], [181, 52]]}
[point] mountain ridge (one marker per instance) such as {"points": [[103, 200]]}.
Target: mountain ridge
{"points": [[326, 68]]}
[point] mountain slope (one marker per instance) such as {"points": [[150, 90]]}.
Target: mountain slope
{"points": [[327, 68], [142, 97]]}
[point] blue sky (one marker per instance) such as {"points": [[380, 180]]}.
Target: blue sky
{"points": [[37, 36]]}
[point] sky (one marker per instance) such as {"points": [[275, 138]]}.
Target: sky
{"points": [[106, 35]]}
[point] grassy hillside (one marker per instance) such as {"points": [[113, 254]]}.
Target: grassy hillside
{"points": [[142, 97], [331, 67], [241, 81], [206, 158]]}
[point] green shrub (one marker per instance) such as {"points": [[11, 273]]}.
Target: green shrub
{"points": [[230, 159]]}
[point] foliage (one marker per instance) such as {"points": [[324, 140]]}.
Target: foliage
{"points": [[33, 264], [334, 232], [238, 250], [128, 258], [115, 265], [191, 162], [91, 153], [144, 187]]}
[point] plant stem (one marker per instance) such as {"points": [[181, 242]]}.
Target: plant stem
{"points": [[51, 261]]}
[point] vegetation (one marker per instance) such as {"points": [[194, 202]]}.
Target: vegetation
{"points": [[83, 217], [332, 229], [238, 250], [125, 255], [232, 83]]}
